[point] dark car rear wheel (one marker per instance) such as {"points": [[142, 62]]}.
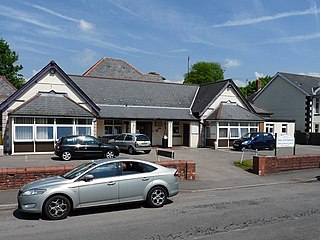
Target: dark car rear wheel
{"points": [[157, 197], [109, 154], [271, 147], [57, 207], [66, 155]]}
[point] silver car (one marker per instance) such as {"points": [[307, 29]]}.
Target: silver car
{"points": [[100, 182], [132, 142]]}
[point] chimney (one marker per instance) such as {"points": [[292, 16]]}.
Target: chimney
{"points": [[259, 84]]}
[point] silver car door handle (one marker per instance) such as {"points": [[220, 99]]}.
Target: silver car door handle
{"points": [[111, 183], [145, 179]]}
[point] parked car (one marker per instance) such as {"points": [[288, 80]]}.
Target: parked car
{"points": [[100, 182], [132, 142], [257, 140], [83, 146]]}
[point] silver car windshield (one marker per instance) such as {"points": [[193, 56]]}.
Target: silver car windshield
{"points": [[79, 170]]}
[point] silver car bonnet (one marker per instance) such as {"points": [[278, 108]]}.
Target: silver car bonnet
{"points": [[45, 183]]}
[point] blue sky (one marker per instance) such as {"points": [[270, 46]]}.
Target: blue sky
{"points": [[249, 38]]}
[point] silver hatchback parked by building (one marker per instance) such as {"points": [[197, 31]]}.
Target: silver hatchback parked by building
{"points": [[100, 182], [132, 142]]}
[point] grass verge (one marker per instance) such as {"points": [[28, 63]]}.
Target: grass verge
{"points": [[246, 165]]}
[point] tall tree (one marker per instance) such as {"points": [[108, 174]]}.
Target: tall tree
{"points": [[204, 72], [7, 65], [252, 87]]}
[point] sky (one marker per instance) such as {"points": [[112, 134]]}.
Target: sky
{"points": [[249, 38]]}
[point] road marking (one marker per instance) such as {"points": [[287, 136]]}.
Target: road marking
{"points": [[8, 206]]}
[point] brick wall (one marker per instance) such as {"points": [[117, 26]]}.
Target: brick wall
{"points": [[14, 178], [263, 165]]}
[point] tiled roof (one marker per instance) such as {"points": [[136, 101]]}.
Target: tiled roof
{"points": [[134, 112], [6, 89], [51, 104], [119, 69], [136, 93], [233, 112], [304, 82]]}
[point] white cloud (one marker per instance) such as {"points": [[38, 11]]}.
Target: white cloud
{"points": [[258, 75], [249, 21], [232, 63], [85, 26], [86, 58]]}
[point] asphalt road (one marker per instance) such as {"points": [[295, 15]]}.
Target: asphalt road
{"points": [[282, 211]]}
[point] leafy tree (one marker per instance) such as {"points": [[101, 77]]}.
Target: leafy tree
{"points": [[251, 87], [7, 66], [204, 72]]}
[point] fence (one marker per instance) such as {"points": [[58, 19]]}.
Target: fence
{"points": [[307, 138]]}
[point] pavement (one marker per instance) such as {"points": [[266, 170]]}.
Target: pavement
{"points": [[214, 169]]}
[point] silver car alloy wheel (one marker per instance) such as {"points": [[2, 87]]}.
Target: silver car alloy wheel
{"points": [[57, 208], [158, 197], [109, 154], [66, 156]]}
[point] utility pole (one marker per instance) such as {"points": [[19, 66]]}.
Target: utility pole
{"points": [[188, 65]]}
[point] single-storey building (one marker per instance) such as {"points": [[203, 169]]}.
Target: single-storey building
{"points": [[113, 97]]}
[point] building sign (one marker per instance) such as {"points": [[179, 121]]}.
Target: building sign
{"points": [[285, 141]]}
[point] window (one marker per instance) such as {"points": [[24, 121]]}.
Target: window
{"points": [[83, 130], [84, 121], [103, 171], [223, 132], [22, 120], [316, 128], [269, 128], [63, 131], [176, 128], [44, 120], [44, 133], [284, 128], [23, 133], [90, 141], [129, 138], [234, 132], [64, 121], [112, 127], [244, 131], [135, 168], [317, 106], [120, 137]]}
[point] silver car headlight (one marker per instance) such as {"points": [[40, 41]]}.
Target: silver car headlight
{"points": [[245, 142], [34, 192]]}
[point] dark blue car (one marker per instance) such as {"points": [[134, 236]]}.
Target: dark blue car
{"points": [[257, 140]]}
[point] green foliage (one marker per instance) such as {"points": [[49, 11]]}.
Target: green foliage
{"points": [[204, 72], [7, 67], [251, 87], [246, 165]]}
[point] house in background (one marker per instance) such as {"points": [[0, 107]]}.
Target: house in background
{"points": [[295, 97], [6, 90], [112, 97]]}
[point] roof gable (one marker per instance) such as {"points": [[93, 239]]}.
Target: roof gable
{"points": [[308, 85], [51, 68], [51, 104], [119, 69], [208, 93]]}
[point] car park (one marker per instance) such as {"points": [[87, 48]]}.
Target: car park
{"points": [[132, 142], [100, 182], [83, 146], [256, 140]]}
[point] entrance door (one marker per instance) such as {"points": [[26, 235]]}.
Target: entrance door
{"points": [[145, 128], [186, 135]]}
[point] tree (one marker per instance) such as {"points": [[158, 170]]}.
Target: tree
{"points": [[204, 72], [7, 66], [251, 87]]}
